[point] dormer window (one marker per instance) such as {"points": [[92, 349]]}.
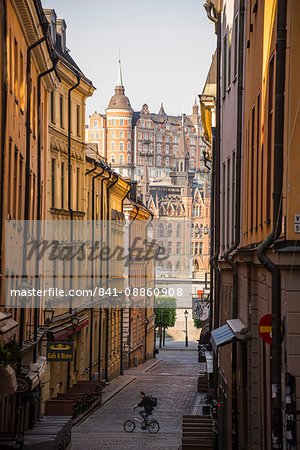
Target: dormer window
{"points": [[53, 26]]}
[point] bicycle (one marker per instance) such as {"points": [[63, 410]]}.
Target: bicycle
{"points": [[152, 425]]}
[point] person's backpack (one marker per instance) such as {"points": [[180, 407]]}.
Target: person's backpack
{"points": [[153, 401]]}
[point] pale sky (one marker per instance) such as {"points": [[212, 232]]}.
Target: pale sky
{"points": [[166, 48]]}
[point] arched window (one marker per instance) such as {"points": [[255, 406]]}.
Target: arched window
{"points": [[167, 161], [170, 229], [140, 146], [160, 230], [159, 161], [121, 146], [169, 250], [128, 145], [159, 149], [113, 158], [192, 164], [97, 134], [167, 149], [121, 159], [201, 230], [178, 265], [112, 146], [181, 167], [128, 158], [178, 248], [178, 230]]}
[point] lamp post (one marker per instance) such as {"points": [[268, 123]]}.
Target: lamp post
{"points": [[186, 314]]}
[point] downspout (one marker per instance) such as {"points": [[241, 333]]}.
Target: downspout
{"points": [[39, 199], [276, 402], [3, 16], [216, 18], [101, 277], [107, 275], [93, 243], [122, 309], [27, 173], [130, 286], [236, 243], [70, 200], [146, 283]]}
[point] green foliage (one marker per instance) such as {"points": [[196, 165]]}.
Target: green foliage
{"points": [[165, 315], [198, 324], [10, 353]]}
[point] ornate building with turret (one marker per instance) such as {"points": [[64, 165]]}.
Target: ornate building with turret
{"points": [[130, 139]]}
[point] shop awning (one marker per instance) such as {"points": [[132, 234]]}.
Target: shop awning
{"points": [[64, 331], [220, 336]]}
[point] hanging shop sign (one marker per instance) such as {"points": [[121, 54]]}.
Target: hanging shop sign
{"points": [[60, 351], [200, 309]]}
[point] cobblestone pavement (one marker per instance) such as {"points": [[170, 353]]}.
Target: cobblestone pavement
{"points": [[173, 382]]}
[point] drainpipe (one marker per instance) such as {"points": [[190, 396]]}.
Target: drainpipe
{"points": [[276, 402], [236, 243], [107, 275], [70, 200], [122, 310], [130, 286], [39, 191], [27, 173], [216, 18], [93, 242], [146, 277], [3, 15], [101, 239]]}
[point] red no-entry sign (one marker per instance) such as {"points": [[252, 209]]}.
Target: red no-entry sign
{"points": [[265, 328]]}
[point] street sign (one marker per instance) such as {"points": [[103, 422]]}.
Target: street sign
{"points": [[60, 351], [265, 328], [200, 309]]}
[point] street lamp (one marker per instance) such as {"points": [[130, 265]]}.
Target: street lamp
{"points": [[48, 315], [186, 314], [75, 320]]}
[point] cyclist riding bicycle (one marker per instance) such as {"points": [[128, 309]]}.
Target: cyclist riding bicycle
{"points": [[145, 403]]}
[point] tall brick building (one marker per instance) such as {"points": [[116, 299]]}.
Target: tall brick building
{"points": [[127, 137]]}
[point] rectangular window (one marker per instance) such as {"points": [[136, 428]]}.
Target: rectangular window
{"points": [[229, 58], [53, 183], [224, 66], [257, 158], [121, 122], [236, 46], [78, 189], [20, 187], [252, 168], [52, 106], [78, 120], [223, 206], [16, 87], [34, 112], [233, 198], [21, 82], [269, 141], [228, 204], [15, 185], [9, 178], [61, 112], [62, 185]]}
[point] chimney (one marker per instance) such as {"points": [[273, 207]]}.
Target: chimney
{"points": [[61, 28], [133, 193]]}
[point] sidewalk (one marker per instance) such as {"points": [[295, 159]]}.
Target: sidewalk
{"points": [[172, 344]]}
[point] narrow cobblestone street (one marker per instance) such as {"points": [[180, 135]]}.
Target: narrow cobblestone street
{"points": [[173, 381]]}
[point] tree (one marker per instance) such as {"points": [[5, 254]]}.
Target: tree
{"points": [[165, 315], [198, 324]]}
